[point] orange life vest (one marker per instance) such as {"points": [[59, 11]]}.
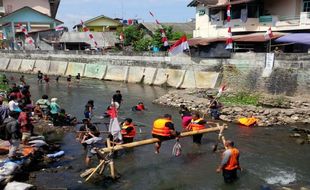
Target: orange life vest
{"points": [[159, 127], [233, 160], [131, 134], [194, 126]]}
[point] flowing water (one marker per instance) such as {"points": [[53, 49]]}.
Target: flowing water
{"points": [[268, 155]]}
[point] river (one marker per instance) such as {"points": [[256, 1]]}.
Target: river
{"points": [[268, 155]]}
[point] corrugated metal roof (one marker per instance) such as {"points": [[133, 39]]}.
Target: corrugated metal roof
{"points": [[104, 39], [255, 37], [186, 28]]}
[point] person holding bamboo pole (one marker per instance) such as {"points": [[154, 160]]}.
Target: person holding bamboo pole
{"points": [[163, 129], [197, 123], [214, 107]]}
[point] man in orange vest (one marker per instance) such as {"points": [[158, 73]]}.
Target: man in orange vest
{"points": [[230, 162], [128, 131], [163, 129], [197, 123]]}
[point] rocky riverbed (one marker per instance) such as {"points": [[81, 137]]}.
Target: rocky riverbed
{"points": [[271, 110]]}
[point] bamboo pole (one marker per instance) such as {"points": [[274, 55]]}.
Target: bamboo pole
{"points": [[155, 140], [112, 169], [95, 170]]}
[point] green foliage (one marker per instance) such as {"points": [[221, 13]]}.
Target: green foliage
{"points": [[132, 35], [3, 86], [142, 44], [241, 98]]}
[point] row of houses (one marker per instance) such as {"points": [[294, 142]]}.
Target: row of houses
{"points": [[250, 19]]}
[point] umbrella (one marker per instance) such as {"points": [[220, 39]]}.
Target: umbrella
{"points": [[298, 38]]}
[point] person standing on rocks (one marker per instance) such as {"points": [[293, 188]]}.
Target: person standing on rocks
{"points": [[214, 107], [230, 163]]}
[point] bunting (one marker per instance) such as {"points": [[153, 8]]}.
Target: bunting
{"points": [[164, 38], [28, 38], [229, 40], [90, 35]]}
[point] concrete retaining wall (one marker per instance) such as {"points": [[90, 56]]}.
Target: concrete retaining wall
{"points": [[116, 73], [135, 74], [42, 65], [27, 65], [75, 68], [58, 68], [161, 77], [4, 62], [14, 65], [95, 71]]}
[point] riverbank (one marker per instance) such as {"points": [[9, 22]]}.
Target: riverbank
{"points": [[270, 110]]}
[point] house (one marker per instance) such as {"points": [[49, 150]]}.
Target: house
{"points": [[81, 40], [31, 19], [249, 17], [48, 7], [102, 24]]}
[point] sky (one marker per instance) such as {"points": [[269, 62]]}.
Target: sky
{"points": [[72, 11]]}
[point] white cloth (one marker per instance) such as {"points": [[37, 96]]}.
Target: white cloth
{"points": [[13, 105]]}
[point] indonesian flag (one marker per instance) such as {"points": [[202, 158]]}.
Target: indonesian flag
{"points": [[221, 90], [28, 38], [228, 13], [229, 41], [59, 28], [268, 35], [179, 46]]}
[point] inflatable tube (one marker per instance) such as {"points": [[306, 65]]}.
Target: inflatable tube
{"points": [[56, 155], [247, 121]]}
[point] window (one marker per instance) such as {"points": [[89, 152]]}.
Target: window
{"points": [[306, 7]]}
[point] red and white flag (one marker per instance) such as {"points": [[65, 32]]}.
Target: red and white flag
{"points": [[268, 35], [180, 46], [228, 13], [164, 38], [229, 41], [59, 28], [221, 90], [90, 35], [28, 38]]}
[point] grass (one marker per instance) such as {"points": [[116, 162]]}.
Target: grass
{"points": [[240, 98], [3, 87]]}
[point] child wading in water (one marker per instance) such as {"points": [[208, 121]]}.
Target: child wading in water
{"points": [[46, 79], [69, 78]]}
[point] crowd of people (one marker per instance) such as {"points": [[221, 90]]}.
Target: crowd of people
{"points": [[17, 127]]}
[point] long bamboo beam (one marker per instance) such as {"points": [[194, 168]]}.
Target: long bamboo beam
{"points": [[155, 140]]}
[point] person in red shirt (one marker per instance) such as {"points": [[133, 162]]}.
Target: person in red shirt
{"points": [[46, 79], [25, 122], [139, 107]]}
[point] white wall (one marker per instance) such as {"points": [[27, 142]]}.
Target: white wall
{"points": [[42, 6]]}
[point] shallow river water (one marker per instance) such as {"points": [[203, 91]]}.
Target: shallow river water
{"points": [[268, 155]]}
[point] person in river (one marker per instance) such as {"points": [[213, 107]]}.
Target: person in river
{"points": [[46, 79], [163, 129], [230, 162], [89, 109], [69, 78], [78, 78], [117, 99], [185, 115], [128, 131], [40, 77], [197, 123], [92, 143], [57, 78], [139, 107], [85, 129], [25, 122], [22, 80], [44, 104]]}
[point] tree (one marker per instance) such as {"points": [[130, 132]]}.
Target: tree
{"points": [[143, 44], [132, 35]]}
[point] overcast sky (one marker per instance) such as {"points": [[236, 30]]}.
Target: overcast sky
{"points": [[72, 11]]}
